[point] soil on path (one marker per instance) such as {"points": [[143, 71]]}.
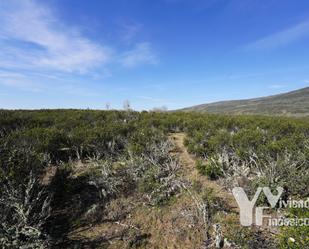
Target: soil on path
{"points": [[190, 172]]}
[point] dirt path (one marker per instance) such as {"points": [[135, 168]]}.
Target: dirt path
{"points": [[175, 225], [191, 173]]}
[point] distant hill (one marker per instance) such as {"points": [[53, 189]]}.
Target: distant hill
{"points": [[295, 103]]}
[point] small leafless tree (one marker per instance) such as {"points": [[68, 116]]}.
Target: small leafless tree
{"points": [[126, 105]]}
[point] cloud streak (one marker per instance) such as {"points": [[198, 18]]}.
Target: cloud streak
{"points": [[281, 38], [141, 54], [129, 30], [31, 36], [19, 81], [34, 41]]}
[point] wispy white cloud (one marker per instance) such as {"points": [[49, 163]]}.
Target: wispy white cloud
{"points": [[19, 81], [281, 38], [129, 30], [31, 36], [30, 82], [142, 53], [36, 43]]}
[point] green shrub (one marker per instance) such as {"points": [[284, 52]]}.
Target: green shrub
{"points": [[295, 237], [210, 169]]}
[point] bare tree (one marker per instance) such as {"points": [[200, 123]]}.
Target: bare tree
{"points": [[126, 105], [107, 106]]}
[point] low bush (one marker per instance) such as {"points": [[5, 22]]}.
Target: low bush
{"points": [[210, 169]]}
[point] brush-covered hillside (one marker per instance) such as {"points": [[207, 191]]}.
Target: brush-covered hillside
{"points": [[295, 103]]}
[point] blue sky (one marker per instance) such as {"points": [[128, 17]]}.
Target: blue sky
{"points": [[174, 53]]}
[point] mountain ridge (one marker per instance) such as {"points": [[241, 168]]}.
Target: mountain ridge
{"points": [[293, 103]]}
